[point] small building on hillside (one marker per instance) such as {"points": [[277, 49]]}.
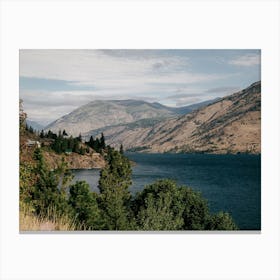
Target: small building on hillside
{"points": [[33, 143]]}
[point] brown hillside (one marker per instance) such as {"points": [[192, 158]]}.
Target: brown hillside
{"points": [[230, 125]]}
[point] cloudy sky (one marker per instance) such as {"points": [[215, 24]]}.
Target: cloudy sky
{"points": [[55, 82]]}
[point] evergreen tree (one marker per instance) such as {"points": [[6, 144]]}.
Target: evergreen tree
{"points": [[47, 193], [91, 142], [84, 205], [96, 145], [71, 143], [64, 133], [82, 151], [64, 145], [76, 146], [121, 149], [79, 138], [42, 135], [114, 200], [102, 142]]}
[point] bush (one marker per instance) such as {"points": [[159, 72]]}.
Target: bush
{"points": [[165, 206]]}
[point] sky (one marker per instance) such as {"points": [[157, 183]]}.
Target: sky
{"points": [[53, 83]]}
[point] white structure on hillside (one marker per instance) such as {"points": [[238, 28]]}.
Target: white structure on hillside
{"points": [[32, 143]]}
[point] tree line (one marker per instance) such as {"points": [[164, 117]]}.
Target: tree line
{"points": [[62, 143]]}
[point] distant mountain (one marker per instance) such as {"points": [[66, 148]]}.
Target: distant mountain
{"points": [[34, 125], [98, 114], [229, 125], [94, 116]]}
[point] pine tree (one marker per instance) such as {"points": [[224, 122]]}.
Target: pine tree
{"points": [[96, 145], [79, 137], [64, 133], [121, 149], [91, 142], [102, 142], [47, 194], [76, 146], [114, 200]]}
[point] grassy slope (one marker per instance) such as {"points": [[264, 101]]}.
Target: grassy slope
{"points": [[29, 222]]}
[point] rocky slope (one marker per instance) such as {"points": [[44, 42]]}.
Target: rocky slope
{"points": [[94, 116], [99, 114], [229, 125]]}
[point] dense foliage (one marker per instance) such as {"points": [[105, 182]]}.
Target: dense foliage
{"points": [[61, 143], [84, 206]]}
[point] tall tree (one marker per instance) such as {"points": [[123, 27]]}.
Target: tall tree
{"points": [[96, 145], [47, 193], [102, 141], [91, 142], [114, 182], [79, 137], [121, 149]]}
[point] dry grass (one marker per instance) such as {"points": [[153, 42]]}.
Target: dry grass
{"points": [[29, 222]]}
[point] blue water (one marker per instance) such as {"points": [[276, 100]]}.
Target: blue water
{"points": [[230, 183]]}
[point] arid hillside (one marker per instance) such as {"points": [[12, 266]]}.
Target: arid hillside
{"points": [[230, 125]]}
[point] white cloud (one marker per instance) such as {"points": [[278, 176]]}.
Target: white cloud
{"points": [[246, 60], [103, 71]]}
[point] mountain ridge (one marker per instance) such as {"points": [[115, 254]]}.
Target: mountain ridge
{"points": [[229, 125], [103, 113]]}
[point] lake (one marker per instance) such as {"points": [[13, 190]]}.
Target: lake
{"points": [[230, 183]]}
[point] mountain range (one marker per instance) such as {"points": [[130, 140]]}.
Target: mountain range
{"points": [[225, 125], [99, 114]]}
